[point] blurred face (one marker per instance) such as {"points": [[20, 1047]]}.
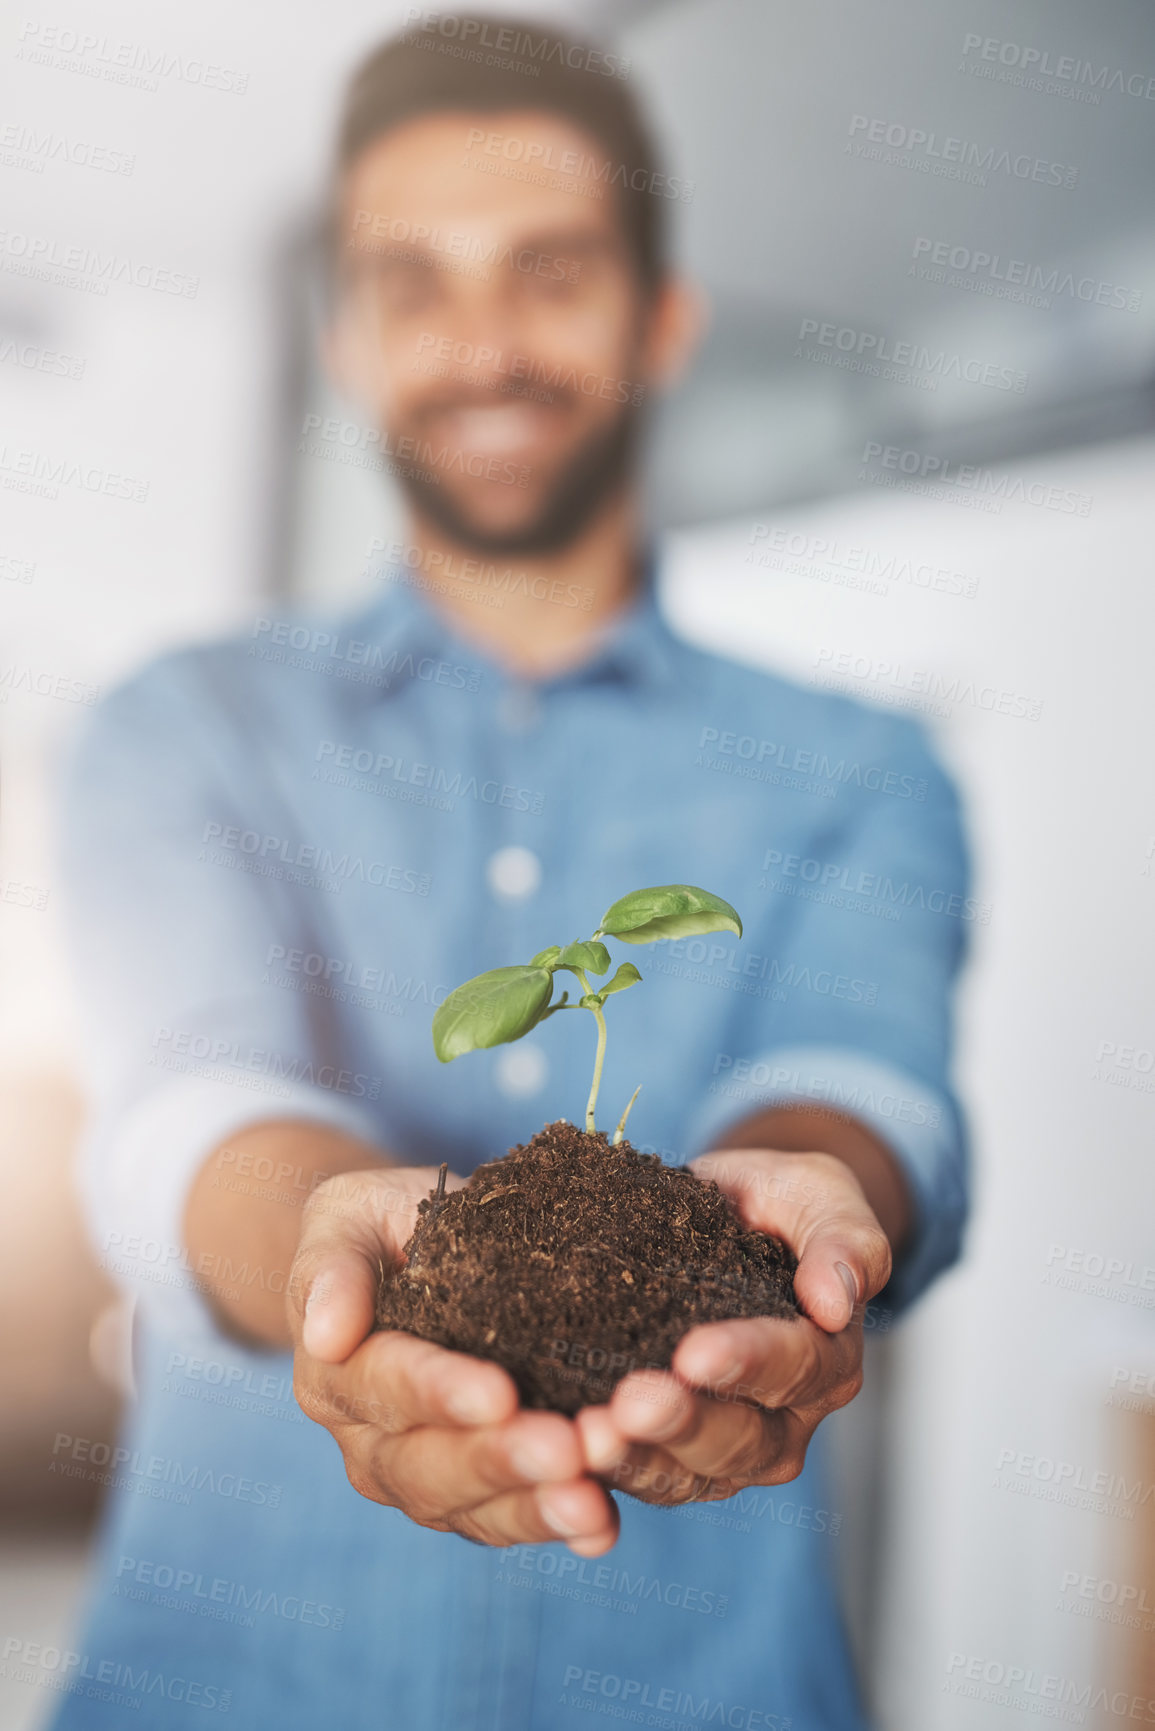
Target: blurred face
{"points": [[494, 328]]}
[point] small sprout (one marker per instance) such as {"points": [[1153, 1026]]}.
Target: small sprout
{"points": [[627, 975], [507, 1003], [592, 958], [621, 1129]]}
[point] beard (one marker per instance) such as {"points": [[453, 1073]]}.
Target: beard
{"points": [[597, 470]]}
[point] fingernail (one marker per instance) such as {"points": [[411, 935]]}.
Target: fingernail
{"points": [[313, 1301], [557, 1524], [469, 1405], [605, 1450], [849, 1282], [531, 1461]]}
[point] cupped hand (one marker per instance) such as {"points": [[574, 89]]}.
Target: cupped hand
{"points": [[436, 1434], [743, 1398]]}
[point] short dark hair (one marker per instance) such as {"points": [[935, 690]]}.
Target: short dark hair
{"points": [[421, 72]]}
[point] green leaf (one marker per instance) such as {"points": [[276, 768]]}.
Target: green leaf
{"points": [[547, 958], [626, 976], [591, 957], [490, 1009], [669, 911], [591, 1001]]}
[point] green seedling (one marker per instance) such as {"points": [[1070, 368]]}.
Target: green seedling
{"points": [[506, 1003]]}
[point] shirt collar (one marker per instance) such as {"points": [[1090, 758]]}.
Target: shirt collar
{"points": [[637, 645]]}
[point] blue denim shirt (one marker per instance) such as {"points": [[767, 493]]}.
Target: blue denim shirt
{"points": [[281, 852]]}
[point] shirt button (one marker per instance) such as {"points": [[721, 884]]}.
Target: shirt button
{"points": [[513, 873], [521, 1071]]}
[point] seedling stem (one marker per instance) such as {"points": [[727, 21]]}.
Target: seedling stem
{"points": [[506, 1003]]}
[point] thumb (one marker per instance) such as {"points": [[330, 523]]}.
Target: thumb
{"points": [[332, 1292], [817, 1205], [355, 1225], [332, 1296], [340, 1306], [845, 1260]]}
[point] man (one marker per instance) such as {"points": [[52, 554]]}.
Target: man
{"points": [[285, 850]]}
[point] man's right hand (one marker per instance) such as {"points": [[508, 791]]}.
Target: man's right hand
{"points": [[436, 1434]]}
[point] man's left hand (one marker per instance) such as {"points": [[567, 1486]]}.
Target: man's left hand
{"points": [[743, 1398]]}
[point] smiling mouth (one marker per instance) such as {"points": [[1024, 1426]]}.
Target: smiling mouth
{"points": [[497, 429]]}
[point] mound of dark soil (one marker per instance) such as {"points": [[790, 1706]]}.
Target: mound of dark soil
{"points": [[571, 1263]]}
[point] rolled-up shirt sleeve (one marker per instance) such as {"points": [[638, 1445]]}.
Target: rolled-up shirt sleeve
{"points": [[876, 931], [187, 1039]]}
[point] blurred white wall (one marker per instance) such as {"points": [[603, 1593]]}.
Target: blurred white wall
{"points": [[998, 1357]]}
